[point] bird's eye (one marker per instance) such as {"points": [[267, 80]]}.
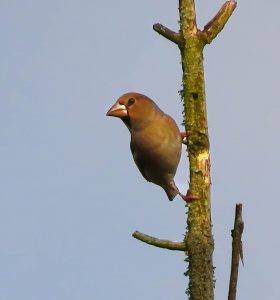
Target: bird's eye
{"points": [[130, 101]]}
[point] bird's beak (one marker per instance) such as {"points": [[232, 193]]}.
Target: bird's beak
{"points": [[117, 110]]}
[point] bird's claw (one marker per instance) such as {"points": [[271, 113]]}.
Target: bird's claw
{"points": [[189, 197], [184, 136]]}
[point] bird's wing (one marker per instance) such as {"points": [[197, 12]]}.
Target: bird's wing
{"points": [[140, 162]]}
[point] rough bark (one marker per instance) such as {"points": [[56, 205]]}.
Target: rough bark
{"points": [[198, 241]]}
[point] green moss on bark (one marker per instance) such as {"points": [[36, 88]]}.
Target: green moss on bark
{"points": [[199, 240], [199, 243]]}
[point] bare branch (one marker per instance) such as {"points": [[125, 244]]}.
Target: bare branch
{"points": [[166, 244], [237, 251], [214, 27], [172, 36]]}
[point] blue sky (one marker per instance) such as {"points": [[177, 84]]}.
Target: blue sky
{"points": [[71, 195]]}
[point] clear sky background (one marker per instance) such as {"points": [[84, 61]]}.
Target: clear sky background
{"points": [[71, 195]]}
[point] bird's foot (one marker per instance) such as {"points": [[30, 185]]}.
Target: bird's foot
{"points": [[188, 197], [184, 136]]}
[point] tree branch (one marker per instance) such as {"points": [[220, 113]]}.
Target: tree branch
{"points": [[172, 36], [214, 27], [198, 238], [237, 251], [166, 244], [198, 243], [187, 13]]}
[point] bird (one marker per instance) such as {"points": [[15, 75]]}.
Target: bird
{"points": [[156, 141]]}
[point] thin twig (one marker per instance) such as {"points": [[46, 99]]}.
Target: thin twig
{"points": [[166, 244], [237, 251], [214, 26], [172, 36]]}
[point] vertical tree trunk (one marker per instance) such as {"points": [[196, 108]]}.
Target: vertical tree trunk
{"points": [[198, 242], [198, 238]]}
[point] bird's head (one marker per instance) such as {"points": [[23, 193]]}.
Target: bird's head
{"points": [[135, 110]]}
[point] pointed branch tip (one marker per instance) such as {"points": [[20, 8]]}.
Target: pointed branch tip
{"points": [[165, 244]]}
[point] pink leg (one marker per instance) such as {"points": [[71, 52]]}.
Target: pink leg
{"points": [[185, 134], [189, 197]]}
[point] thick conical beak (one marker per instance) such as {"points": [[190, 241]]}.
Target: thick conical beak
{"points": [[117, 110]]}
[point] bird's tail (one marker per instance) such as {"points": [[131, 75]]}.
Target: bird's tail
{"points": [[171, 190]]}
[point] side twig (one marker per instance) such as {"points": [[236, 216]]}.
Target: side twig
{"points": [[237, 251], [172, 36], [166, 244], [215, 26]]}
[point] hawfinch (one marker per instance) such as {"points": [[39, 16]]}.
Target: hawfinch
{"points": [[156, 141]]}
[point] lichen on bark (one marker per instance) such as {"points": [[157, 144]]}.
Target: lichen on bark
{"points": [[198, 241]]}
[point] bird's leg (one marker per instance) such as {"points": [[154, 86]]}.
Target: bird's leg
{"points": [[184, 135], [188, 197]]}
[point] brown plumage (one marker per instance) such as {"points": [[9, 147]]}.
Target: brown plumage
{"points": [[156, 141]]}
